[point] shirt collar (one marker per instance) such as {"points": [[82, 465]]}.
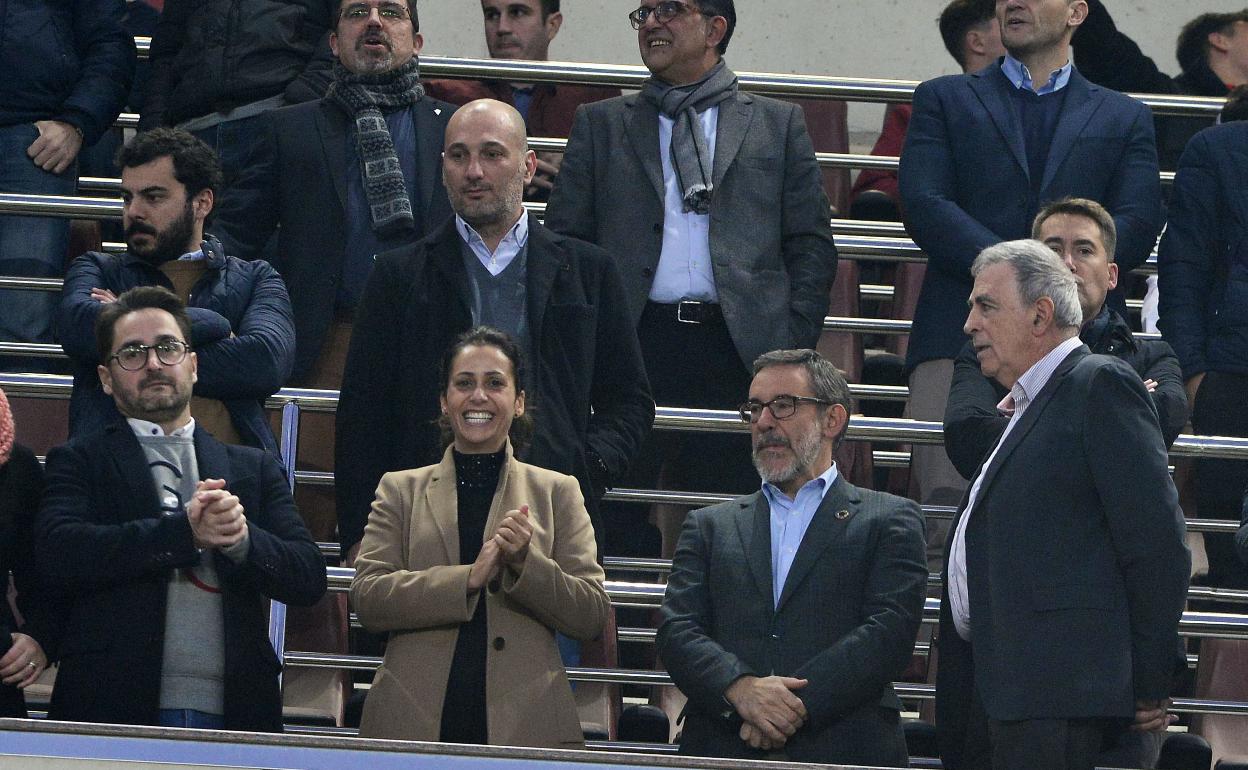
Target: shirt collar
{"points": [[823, 482], [1020, 76], [513, 241], [1036, 377], [145, 428], [192, 256]]}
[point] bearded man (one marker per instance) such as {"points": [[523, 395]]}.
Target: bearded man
{"points": [[792, 657], [242, 329]]}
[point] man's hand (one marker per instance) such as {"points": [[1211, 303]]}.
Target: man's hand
{"points": [[1191, 386], [755, 739], [23, 663], [57, 146], [513, 536], [216, 517], [353, 553], [103, 296], [769, 704], [485, 568], [1151, 716], [547, 169], [1150, 385]]}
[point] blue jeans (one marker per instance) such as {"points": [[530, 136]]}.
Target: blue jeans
{"points": [[234, 141], [191, 718], [30, 247]]}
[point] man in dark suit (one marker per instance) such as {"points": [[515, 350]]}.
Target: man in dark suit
{"points": [[492, 264], [343, 179], [984, 152], [790, 611], [1067, 571], [166, 546], [710, 201]]}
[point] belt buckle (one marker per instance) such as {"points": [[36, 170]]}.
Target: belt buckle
{"points": [[680, 311]]}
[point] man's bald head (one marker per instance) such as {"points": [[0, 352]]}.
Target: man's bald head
{"points": [[486, 166]]}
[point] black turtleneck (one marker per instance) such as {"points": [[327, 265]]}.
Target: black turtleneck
{"points": [[463, 710]]}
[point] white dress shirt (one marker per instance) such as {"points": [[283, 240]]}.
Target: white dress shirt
{"points": [[684, 270], [512, 243]]}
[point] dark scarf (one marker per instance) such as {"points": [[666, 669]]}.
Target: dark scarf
{"points": [[691, 157], [363, 97]]}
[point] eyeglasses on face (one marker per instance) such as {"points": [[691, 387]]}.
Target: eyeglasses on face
{"points": [[387, 12], [663, 12], [781, 407], [134, 357]]}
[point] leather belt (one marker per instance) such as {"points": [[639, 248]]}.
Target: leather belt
{"points": [[689, 311]]}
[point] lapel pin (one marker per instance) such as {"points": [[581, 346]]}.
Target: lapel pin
{"points": [[437, 110], [842, 515]]}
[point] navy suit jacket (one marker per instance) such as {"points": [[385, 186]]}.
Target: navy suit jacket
{"points": [[1076, 563], [965, 185], [846, 621], [104, 548]]}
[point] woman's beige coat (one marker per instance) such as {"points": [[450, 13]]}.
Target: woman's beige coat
{"points": [[409, 583]]}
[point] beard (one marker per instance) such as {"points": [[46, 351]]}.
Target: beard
{"points": [[804, 454], [166, 244], [485, 215], [153, 406]]}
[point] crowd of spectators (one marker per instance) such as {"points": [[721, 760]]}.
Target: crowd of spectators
{"points": [[300, 208]]}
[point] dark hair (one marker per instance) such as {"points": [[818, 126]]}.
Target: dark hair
{"points": [[1192, 48], [195, 164], [411, 11], [725, 8], [826, 380], [1236, 107], [549, 7], [487, 336], [132, 301], [1081, 207], [958, 18]]}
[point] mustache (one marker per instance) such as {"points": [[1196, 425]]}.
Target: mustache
{"points": [[771, 440], [140, 227], [380, 38], [155, 379]]}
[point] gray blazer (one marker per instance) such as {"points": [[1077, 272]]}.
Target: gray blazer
{"points": [[846, 621], [771, 236]]}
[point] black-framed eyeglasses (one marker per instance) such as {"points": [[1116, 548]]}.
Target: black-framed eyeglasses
{"points": [[663, 12], [781, 407], [134, 357], [387, 12]]}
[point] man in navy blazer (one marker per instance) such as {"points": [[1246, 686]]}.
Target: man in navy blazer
{"points": [[1066, 573], [789, 612], [984, 152], [164, 546]]}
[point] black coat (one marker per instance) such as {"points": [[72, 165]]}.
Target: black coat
{"points": [[21, 486], [104, 548], [973, 424], [213, 55], [587, 357], [297, 179]]}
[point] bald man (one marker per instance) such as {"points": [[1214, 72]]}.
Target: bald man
{"points": [[563, 299]]}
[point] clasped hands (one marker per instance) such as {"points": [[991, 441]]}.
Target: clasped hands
{"points": [[769, 708], [508, 546], [216, 516]]}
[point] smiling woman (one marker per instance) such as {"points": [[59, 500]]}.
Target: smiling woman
{"points": [[471, 566]]}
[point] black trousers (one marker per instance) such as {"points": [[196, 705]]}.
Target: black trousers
{"points": [[1220, 484], [1031, 744]]}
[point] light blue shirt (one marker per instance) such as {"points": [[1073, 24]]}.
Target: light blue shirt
{"points": [[192, 256], [1025, 390], [790, 518], [511, 244], [684, 270], [1020, 76]]}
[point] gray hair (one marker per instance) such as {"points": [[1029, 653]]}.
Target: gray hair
{"points": [[1039, 273], [825, 379]]}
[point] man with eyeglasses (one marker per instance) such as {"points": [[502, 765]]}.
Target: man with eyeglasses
{"points": [[163, 546], [242, 328], [524, 29], [710, 199], [343, 179], [789, 612]]}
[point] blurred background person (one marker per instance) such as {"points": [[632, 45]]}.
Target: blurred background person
{"points": [[471, 566], [22, 659]]}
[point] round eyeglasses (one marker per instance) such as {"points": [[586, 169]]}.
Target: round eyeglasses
{"points": [[134, 357]]}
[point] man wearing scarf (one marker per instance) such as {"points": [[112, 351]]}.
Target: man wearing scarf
{"points": [[343, 179], [711, 201]]}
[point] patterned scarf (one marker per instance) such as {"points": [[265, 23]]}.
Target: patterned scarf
{"points": [[364, 97], [691, 156], [6, 429]]}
